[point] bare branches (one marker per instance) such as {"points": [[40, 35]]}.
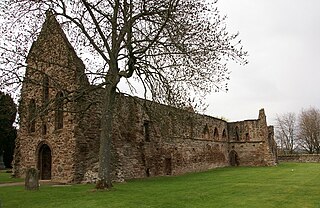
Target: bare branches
{"points": [[299, 135], [286, 133], [309, 130], [175, 49], [169, 45]]}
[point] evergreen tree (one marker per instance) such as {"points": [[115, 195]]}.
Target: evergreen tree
{"points": [[7, 132]]}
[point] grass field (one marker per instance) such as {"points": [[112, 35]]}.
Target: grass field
{"points": [[5, 178], [287, 185]]}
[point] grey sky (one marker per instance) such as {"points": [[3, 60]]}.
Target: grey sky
{"points": [[283, 41]]}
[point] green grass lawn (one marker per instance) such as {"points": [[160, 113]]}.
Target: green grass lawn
{"points": [[287, 185], [6, 178]]}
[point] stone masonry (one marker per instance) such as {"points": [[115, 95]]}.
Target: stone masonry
{"points": [[60, 126]]}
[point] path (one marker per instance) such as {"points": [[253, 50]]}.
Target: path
{"points": [[42, 182]]}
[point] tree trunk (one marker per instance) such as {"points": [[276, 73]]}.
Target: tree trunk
{"points": [[105, 152]]}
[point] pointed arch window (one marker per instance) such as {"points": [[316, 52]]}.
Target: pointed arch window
{"points": [[59, 111], [32, 116], [216, 134], [224, 134], [205, 132]]}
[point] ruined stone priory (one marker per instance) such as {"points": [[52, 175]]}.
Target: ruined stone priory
{"points": [[60, 126]]}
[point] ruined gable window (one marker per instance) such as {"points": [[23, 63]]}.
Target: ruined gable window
{"points": [[59, 111], [32, 116], [146, 131], [216, 133], [45, 88]]}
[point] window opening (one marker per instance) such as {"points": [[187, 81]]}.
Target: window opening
{"points": [[224, 135], [59, 111], [146, 130], [206, 132], [237, 134], [44, 129], [45, 88], [32, 116], [216, 134], [247, 137]]}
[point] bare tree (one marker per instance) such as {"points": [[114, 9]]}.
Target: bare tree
{"points": [[173, 48], [286, 131], [309, 130]]}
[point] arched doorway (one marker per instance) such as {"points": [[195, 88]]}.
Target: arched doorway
{"points": [[233, 158], [44, 162]]}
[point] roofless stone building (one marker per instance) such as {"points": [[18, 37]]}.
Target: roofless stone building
{"points": [[60, 126]]}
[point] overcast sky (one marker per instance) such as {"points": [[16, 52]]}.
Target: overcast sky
{"points": [[283, 41]]}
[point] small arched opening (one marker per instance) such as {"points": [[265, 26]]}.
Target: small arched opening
{"points": [[216, 134], [205, 132], [224, 134], [44, 162], [234, 158]]}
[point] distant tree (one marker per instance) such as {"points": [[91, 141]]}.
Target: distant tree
{"points": [[173, 48], [286, 132], [7, 131], [309, 130]]}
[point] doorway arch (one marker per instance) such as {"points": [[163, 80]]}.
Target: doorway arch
{"points": [[44, 162]]}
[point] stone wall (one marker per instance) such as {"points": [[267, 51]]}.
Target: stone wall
{"points": [[300, 158], [51, 57], [176, 141], [250, 139], [149, 139]]}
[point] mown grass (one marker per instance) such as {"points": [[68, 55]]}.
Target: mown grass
{"points": [[287, 185], [6, 178]]}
